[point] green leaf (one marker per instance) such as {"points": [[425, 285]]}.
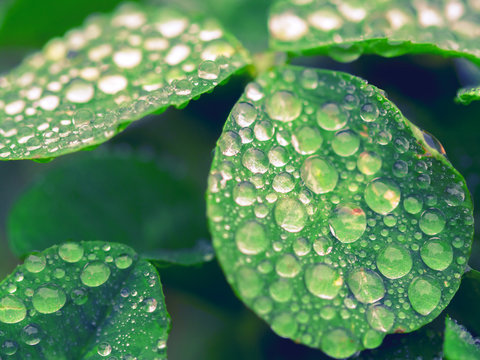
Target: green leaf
{"points": [[83, 300], [84, 88], [458, 343], [22, 25], [200, 253], [466, 95], [118, 196], [334, 218], [344, 30]]}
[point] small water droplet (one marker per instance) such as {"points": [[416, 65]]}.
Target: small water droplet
{"points": [[369, 112], [394, 261], [244, 193], [283, 106], [437, 254], [255, 160], [35, 263], [345, 143], [208, 70], [369, 162], [251, 238], [380, 318], [31, 334], [123, 261], [287, 266], [339, 343], [319, 175], [48, 299], [244, 114], [323, 281], [382, 195], [149, 305], [71, 252], [104, 349], [95, 274], [348, 222], [290, 214], [366, 285], [424, 294], [330, 117], [283, 183], [413, 205], [248, 282], [432, 221], [306, 140]]}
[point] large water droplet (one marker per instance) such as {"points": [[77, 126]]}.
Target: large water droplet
{"points": [[330, 117], [319, 175], [35, 263], [424, 294], [345, 143], [432, 221], [323, 281], [283, 106], [244, 193], [12, 310], [382, 195], [290, 214], [285, 325], [323, 246], [248, 282], [278, 156], [380, 318], [437, 254], [251, 238], [369, 112], [394, 261], [283, 183], [244, 114], [306, 140], [413, 205], [230, 143], [348, 222], [48, 299], [95, 274], [369, 162], [339, 343], [287, 266], [454, 195], [70, 252], [123, 261], [255, 161], [264, 130], [367, 286]]}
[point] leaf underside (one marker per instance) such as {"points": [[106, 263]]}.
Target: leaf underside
{"points": [[86, 300], [333, 217], [458, 343], [84, 88], [118, 196], [345, 30]]}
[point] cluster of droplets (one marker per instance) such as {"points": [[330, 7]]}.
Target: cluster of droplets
{"points": [[113, 70], [71, 284], [307, 24], [331, 217]]}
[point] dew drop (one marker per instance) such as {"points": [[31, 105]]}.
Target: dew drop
{"points": [[104, 349], [306, 140], [290, 214], [287, 266], [264, 130], [323, 246], [283, 183], [12, 310], [437, 254], [369, 112], [149, 305], [348, 222], [339, 343], [95, 274], [127, 58], [70, 252], [31, 334], [432, 221], [382, 195], [424, 294], [323, 281], [83, 117], [394, 261], [123, 261], [48, 299], [369, 162], [80, 92], [367, 286], [208, 70], [9, 347], [278, 156], [244, 114], [380, 318], [285, 325], [413, 205], [112, 84], [244, 193], [283, 106], [248, 282], [35, 263], [255, 160], [454, 195], [330, 117], [345, 143], [251, 238], [319, 175], [79, 296], [230, 143]]}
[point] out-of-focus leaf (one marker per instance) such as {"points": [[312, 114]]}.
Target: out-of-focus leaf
{"points": [[84, 88], [200, 253], [83, 300], [458, 343], [121, 197]]}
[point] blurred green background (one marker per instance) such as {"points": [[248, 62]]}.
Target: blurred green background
{"points": [[208, 321]]}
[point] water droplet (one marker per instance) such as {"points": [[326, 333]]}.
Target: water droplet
{"points": [[255, 161], [290, 214], [208, 70], [319, 175], [9, 347], [287, 266], [372, 339], [394, 261], [330, 117], [12, 310], [301, 246], [123, 261], [79, 296], [149, 305], [251, 238], [367, 286], [283, 106], [281, 290], [71, 252], [283, 183], [80, 92], [278, 156], [230, 143], [323, 281], [83, 117], [285, 325], [264, 130], [339, 343], [424, 294], [345, 143], [48, 299], [412, 204], [369, 112], [248, 282], [369, 162], [112, 84], [95, 274], [437, 254], [432, 221], [244, 114], [35, 263], [382, 195], [104, 349], [306, 140], [323, 246], [380, 318], [454, 195], [31, 334], [244, 193], [348, 222]]}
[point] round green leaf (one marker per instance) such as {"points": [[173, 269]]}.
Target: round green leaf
{"points": [[458, 343], [334, 218], [119, 196], [84, 88], [84, 300]]}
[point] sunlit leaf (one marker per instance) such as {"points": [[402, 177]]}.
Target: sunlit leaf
{"points": [[458, 342], [121, 197], [334, 218], [84, 88], [86, 300]]}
